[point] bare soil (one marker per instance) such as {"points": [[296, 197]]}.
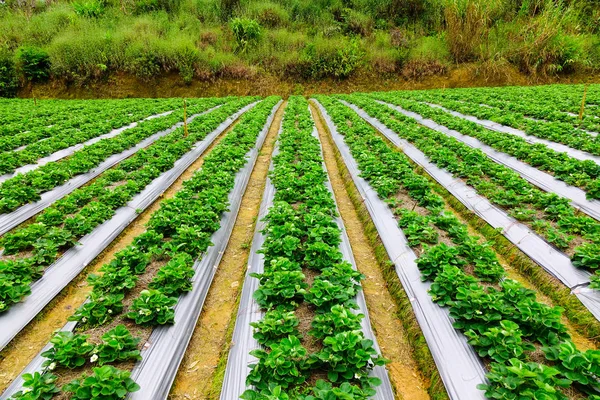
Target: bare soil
{"points": [[171, 85]]}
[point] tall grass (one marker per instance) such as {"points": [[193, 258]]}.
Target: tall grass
{"points": [[304, 38]]}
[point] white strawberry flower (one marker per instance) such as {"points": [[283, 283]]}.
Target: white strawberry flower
{"points": [[94, 358], [52, 366]]}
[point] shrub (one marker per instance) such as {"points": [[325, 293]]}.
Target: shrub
{"points": [[8, 76], [33, 63], [269, 14], [246, 32], [145, 6], [331, 58], [89, 8]]}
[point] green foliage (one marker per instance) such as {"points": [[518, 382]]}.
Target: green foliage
{"points": [[338, 319], [37, 386], [325, 391], [153, 307], [349, 355], [105, 383], [499, 343], [519, 380], [578, 366], [280, 287], [100, 309], [9, 82], [117, 345], [274, 326], [89, 8], [247, 33], [284, 365], [68, 350], [331, 58], [33, 63], [175, 277]]}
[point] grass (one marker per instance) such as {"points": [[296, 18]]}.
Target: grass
{"points": [[191, 37]]}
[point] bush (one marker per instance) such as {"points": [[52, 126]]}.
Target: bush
{"points": [[331, 58], [8, 76], [246, 32], [89, 8], [543, 44], [33, 63], [269, 14], [145, 6]]}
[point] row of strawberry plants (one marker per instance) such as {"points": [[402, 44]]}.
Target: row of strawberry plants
{"points": [[547, 214], [31, 248], [524, 103], [22, 115], [553, 131], [502, 320], [28, 187], [302, 237], [583, 174], [72, 130], [177, 233]]}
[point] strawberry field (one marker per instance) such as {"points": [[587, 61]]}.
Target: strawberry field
{"points": [[440, 244]]}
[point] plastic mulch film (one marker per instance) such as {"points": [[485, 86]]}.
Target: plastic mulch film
{"points": [[578, 154], [59, 274], [541, 252], [533, 175], [242, 341], [239, 359], [384, 391], [21, 214], [459, 366], [36, 364], [166, 346], [70, 150]]}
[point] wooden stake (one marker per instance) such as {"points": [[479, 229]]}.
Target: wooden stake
{"points": [[583, 103], [185, 130]]}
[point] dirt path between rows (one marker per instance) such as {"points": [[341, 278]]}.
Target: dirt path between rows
{"points": [[201, 372], [405, 376], [27, 344]]}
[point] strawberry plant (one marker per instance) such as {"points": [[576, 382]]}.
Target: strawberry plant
{"points": [[578, 366], [284, 288], [436, 258], [284, 365], [106, 383], [499, 343], [348, 356], [175, 277], [273, 392], [152, 307], [99, 309], [338, 319], [518, 380], [37, 386], [117, 345], [275, 325], [68, 350], [325, 391]]}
